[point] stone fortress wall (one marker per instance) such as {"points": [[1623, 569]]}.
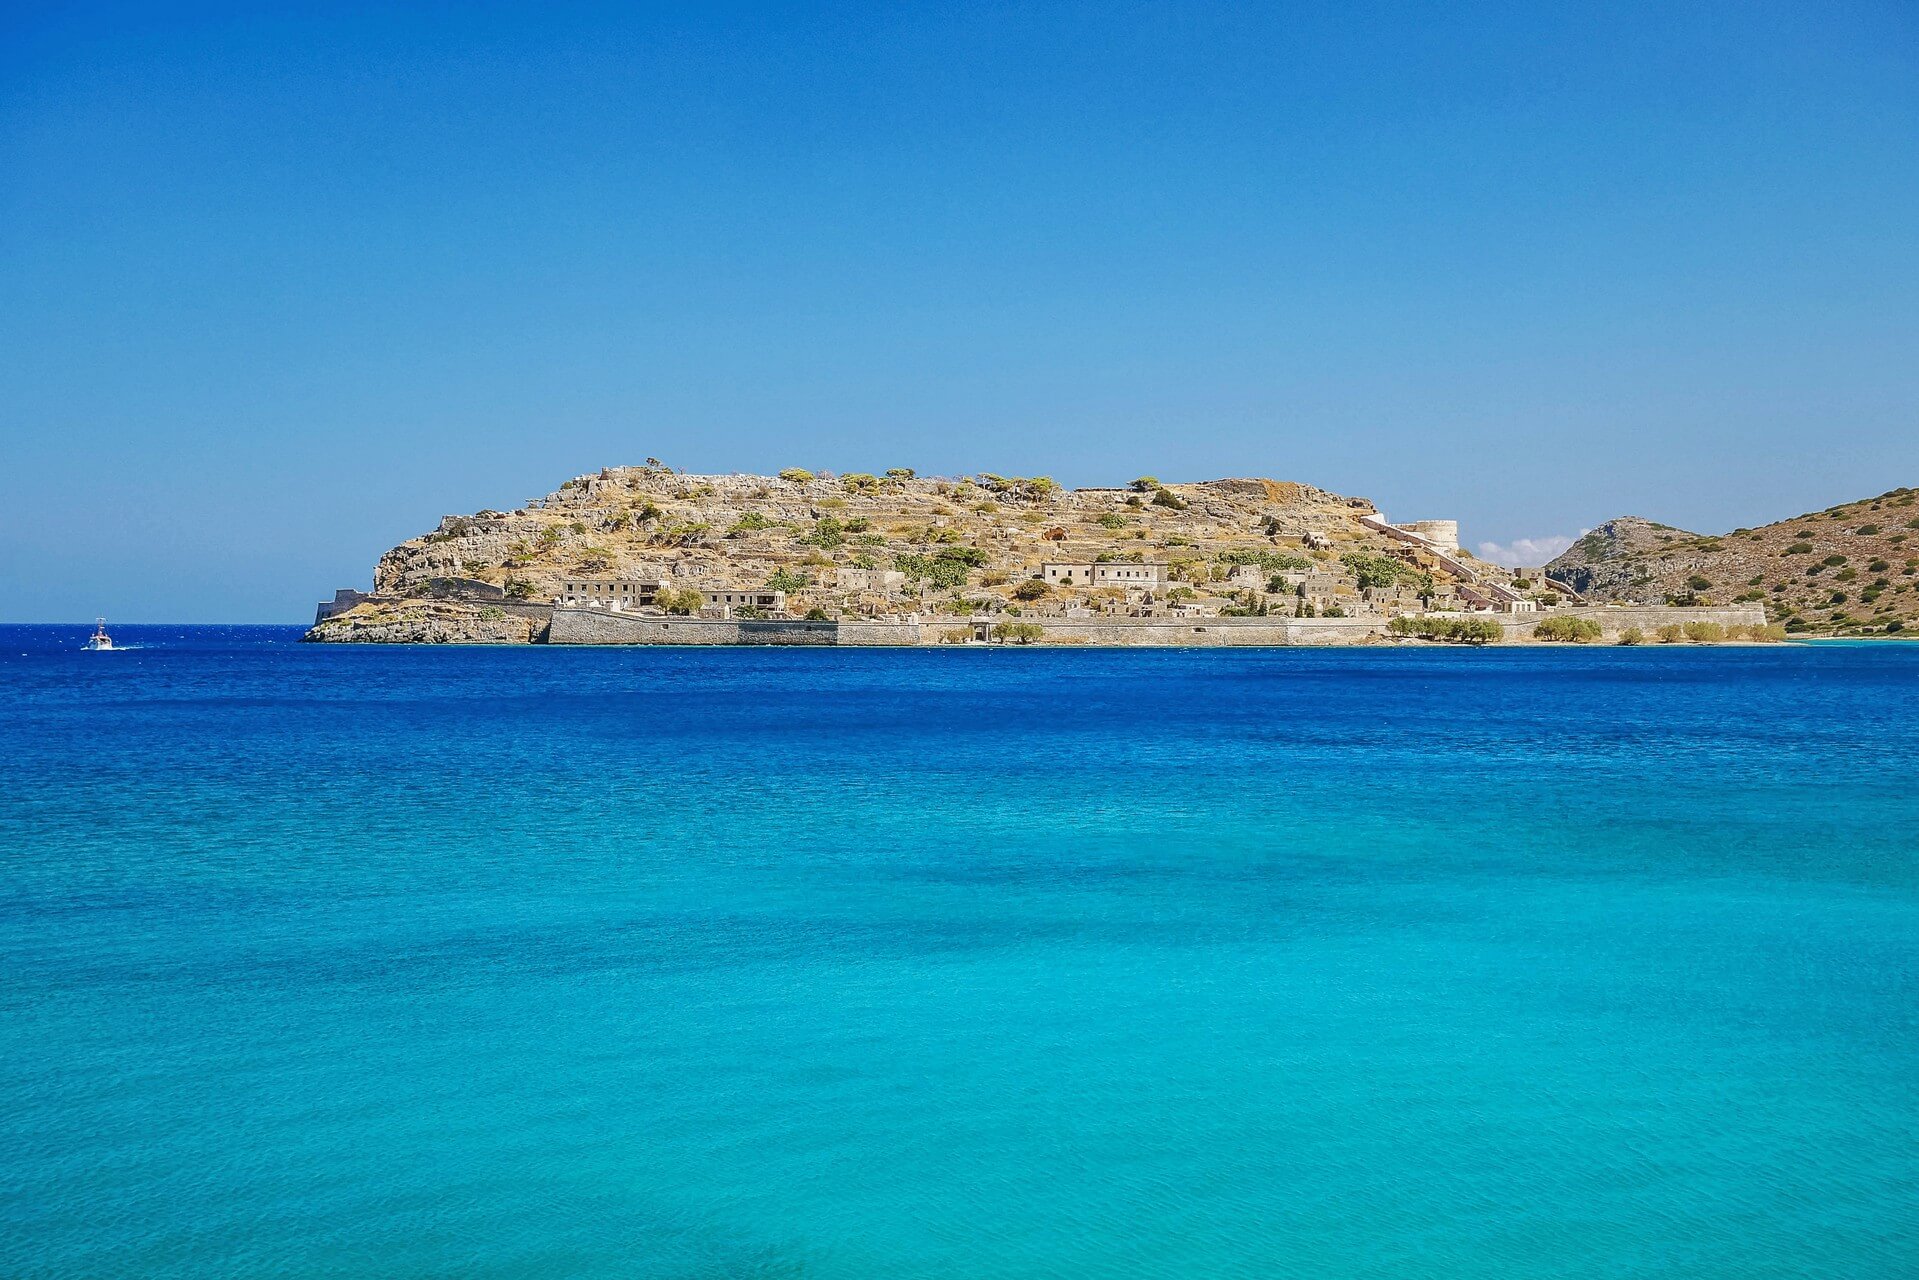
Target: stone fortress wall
{"points": [[1648, 618], [594, 626]]}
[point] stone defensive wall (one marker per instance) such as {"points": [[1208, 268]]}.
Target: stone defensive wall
{"points": [[1648, 618], [597, 626], [1203, 632]]}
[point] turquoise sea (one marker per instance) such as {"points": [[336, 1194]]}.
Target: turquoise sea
{"points": [[978, 964]]}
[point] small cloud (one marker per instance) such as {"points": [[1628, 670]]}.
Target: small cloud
{"points": [[1527, 551]]}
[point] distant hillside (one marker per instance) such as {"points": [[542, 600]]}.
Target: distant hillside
{"points": [[1848, 570]]}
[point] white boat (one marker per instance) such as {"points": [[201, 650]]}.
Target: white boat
{"points": [[99, 639]]}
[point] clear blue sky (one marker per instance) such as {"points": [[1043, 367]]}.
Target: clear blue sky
{"points": [[282, 284]]}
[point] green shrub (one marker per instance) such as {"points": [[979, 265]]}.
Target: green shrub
{"points": [[1477, 631], [1799, 548], [1671, 633], [1032, 488], [1632, 635], [519, 589], [1167, 498], [1272, 561], [750, 522], [956, 635], [946, 568], [796, 475], [859, 482], [827, 534], [817, 614], [680, 601], [1473, 630], [1145, 484], [1031, 589], [1019, 632], [1698, 583], [932, 570], [1705, 632], [1375, 570], [683, 533], [1568, 629], [785, 579]]}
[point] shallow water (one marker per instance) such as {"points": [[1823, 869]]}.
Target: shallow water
{"points": [[770, 963]]}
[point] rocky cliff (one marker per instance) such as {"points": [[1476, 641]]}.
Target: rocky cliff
{"points": [[1852, 569]]}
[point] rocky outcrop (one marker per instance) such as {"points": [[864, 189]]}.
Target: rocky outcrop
{"points": [[1610, 562], [422, 623]]}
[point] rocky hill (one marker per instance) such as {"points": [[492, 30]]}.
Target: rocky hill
{"points": [[869, 546], [1852, 569]]}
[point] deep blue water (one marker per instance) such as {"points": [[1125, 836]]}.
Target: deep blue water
{"points": [[780, 963]]}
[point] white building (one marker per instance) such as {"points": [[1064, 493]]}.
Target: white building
{"points": [[728, 599], [615, 594], [1144, 575]]}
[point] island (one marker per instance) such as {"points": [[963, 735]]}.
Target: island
{"points": [[651, 555]]}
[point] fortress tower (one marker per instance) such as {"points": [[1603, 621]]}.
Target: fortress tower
{"points": [[1443, 532]]}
